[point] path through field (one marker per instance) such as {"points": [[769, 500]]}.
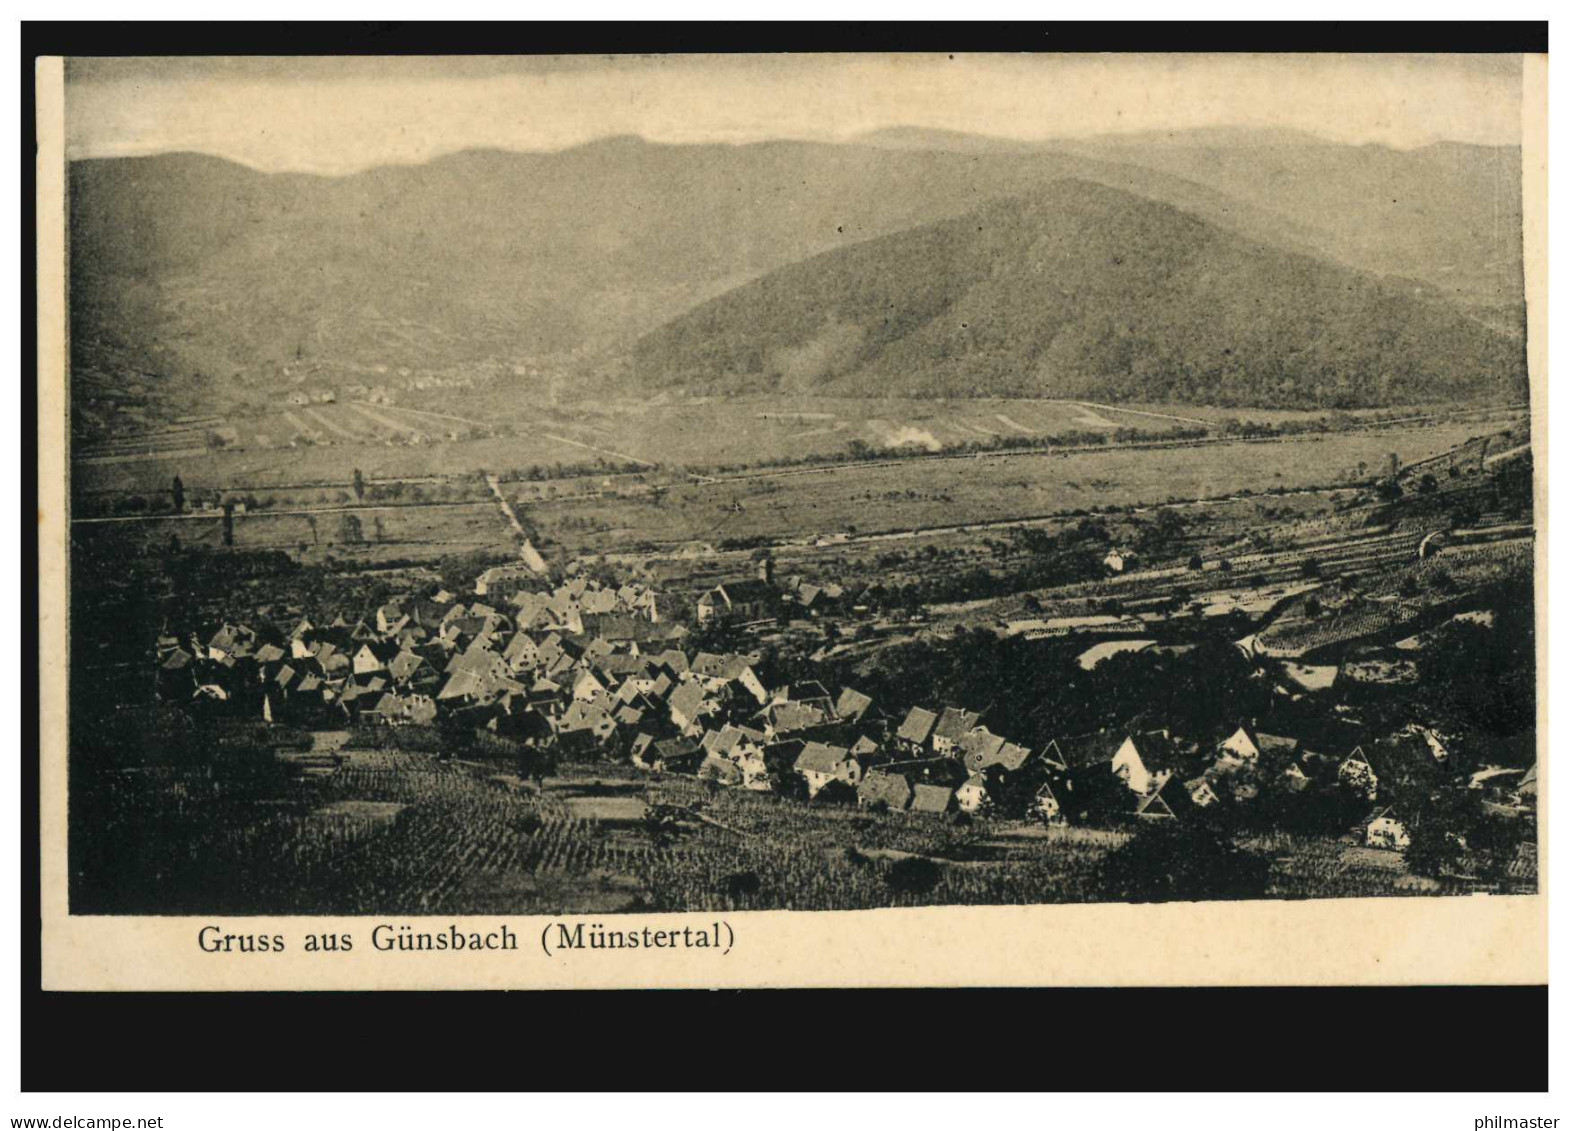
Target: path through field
{"points": [[1102, 422], [494, 482]]}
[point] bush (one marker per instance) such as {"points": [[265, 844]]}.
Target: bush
{"points": [[914, 875], [1181, 861]]}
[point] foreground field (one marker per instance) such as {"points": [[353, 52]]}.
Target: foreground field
{"points": [[392, 832]]}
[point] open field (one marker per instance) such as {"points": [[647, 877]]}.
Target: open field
{"points": [[457, 438], [916, 495]]}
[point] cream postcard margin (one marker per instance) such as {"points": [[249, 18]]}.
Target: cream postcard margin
{"points": [[1478, 940]]}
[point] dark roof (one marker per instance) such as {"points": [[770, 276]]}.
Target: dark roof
{"points": [[404, 664], [980, 747], [749, 591], [674, 750], [955, 723], [688, 700], [891, 789], [931, 798], [720, 768], [822, 759], [795, 716], [852, 704], [1085, 751], [917, 725]]}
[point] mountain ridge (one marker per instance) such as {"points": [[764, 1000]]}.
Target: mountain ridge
{"points": [[222, 277], [1078, 290]]}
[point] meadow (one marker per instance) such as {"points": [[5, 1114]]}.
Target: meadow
{"points": [[921, 494], [469, 434]]}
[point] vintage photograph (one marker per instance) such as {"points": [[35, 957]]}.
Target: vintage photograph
{"points": [[599, 484]]}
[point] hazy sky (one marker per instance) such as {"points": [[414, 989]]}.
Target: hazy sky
{"points": [[339, 115]]}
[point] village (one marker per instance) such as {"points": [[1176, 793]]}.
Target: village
{"points": [[544, 672]]}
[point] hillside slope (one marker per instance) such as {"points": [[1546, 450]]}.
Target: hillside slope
{"points": [[1081, 290], [213, 279]]}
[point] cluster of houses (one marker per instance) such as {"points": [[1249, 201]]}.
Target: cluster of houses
{"points": [[516, 659], [590, 670], [752, 600]]}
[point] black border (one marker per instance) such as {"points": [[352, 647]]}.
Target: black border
{"points": [[1287, 1039], [567, 38]]}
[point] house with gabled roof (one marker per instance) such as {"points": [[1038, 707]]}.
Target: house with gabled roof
{"points": [[879, 787], [366, 661], [521, 653], [1248, 745], [1142, 758], [638, 751], [936, 800], [231, 641], [739, 601], [593, 717], [689, 704], [820, 764], [672, 660], [389, 709], [851, 705], [675, 755], [404, 666], [787, 717], [1163, 801], [1045, 806], [177, 676], [952, 726], [916, 729], [587, 686], [718, 768], [972, 796], [1356, 774], [865, 748], [1385, 829]]}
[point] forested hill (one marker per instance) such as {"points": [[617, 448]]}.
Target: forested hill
{"points": [[208, 279], [1081, 290]]}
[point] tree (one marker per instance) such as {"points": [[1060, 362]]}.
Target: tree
{"points": [[1195, 562], [1183, 860], [177, 489], [350, 530], [1428, 484], [359, 485]]}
